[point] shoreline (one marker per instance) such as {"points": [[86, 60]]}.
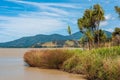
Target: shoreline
{"points": [[94, 64], [12, 67]]}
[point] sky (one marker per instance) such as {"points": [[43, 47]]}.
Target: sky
{"points": [[21, 18]]}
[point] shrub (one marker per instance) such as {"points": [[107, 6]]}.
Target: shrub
{"points": [[69, 64]]}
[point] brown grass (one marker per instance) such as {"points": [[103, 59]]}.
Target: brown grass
{"points": [[47, 58]]}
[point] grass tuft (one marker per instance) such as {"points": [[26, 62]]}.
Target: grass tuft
{"points": [[47, 58]]}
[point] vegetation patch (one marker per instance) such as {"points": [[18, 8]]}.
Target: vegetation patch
{"points": [[47, 58], [96, 64]]}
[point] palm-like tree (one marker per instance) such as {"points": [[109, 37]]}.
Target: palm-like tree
{"points": [[82, 41], [69, 30], [85, 22], [116, 33], [90, 38], [84, 25], [91, 20], [102, 36], [98, 14], [117, 9], [116, 36]]}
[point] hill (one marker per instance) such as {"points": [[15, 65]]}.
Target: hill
{"points": [[40, 39]]}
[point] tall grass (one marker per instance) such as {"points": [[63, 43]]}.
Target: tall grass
{"points": [[111, 52], [47, 58], [96, 64]]}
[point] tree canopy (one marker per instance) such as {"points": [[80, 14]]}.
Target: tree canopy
{"points": [[116, 31], [91, 18], [89, 24], [117, 9]]}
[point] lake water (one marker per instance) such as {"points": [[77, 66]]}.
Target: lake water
{"points": [[12, 67]]}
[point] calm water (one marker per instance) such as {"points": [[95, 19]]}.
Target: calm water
{"points": [[12, 67]]}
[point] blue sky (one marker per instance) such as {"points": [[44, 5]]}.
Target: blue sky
{"points": [[20, 18]]}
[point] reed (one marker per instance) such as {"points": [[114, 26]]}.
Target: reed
{"points": [[47, 58]]}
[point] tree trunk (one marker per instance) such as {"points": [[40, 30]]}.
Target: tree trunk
{"points": [[89, 44], [98, 43]]}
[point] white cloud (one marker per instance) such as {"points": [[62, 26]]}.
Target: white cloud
{"points": [[68, 5], [108, 16], [89, 0], [103, 23], [51, 7], [6, 7], [107, 1], [110, 30], [28, 26], [39, 14]]}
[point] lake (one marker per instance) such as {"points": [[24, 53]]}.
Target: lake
{"points": [[13, 67]]}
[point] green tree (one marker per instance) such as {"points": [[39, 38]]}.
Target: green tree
{"points": [[91, 21], [116, 33], [82, 41], [102, 36], [89, 38], [116, 36], [85, 25], [117, 9], [85, 22], [98, 14], [69, 30]]}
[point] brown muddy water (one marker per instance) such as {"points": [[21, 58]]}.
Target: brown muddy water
{"points": [[13, 67]]}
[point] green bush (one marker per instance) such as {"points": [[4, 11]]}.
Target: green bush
{"points": [[69, 64]]}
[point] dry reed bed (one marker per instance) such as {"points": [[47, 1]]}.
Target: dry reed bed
{"points": [[47, 58]]}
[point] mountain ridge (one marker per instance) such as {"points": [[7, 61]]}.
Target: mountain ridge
{"points": [[25, 42]]}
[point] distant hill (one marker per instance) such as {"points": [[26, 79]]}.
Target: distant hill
{"points": [[109, 34], [33, 40]]}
